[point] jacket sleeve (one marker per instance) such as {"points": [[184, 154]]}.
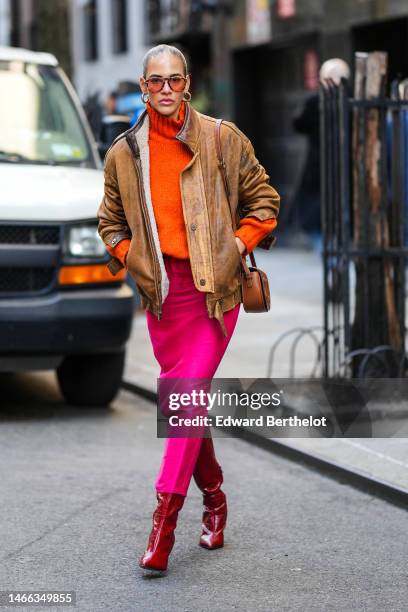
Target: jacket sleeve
{"points": [[120, 251], [252, 231], [113, 226], [257, 198]]}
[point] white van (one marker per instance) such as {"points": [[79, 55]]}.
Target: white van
{"points": [[60, 308]]}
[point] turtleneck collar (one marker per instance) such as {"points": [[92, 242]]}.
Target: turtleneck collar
{"points": [[164, 126]]}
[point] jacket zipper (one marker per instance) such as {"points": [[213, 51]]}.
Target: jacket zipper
{"points": [[151, 239]]}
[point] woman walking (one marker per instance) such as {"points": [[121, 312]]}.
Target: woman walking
{"points": [[165, 217]]}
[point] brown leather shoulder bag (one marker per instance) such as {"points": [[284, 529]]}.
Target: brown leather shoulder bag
{"points": [[255, 285]]}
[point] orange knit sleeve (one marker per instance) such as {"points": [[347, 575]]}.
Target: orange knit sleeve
{"points": [[251, 231], [120, 250]]}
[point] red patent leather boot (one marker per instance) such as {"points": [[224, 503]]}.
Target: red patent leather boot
{"points": [[208, 477], [162, 538]]}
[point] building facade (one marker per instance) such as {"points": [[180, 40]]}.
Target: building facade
{"points": [[253, 61], [40, 25], [107, 44], [257, 62], [5, 25]]}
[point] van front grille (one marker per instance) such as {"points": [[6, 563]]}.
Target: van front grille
{"points": [[25, 280], [28, 258], [29, 234]]}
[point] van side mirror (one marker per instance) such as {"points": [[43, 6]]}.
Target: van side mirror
{"points": [[112, 126]]}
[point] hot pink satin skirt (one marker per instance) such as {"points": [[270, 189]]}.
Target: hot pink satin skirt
{"points": [[186, 344]]}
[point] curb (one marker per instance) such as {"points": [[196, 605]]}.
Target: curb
{"points": [[332, 469]]}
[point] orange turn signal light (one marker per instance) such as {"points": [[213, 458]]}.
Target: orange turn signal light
{"points": [[80, 275]]}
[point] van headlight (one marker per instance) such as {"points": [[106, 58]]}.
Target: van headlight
{"points": [[83, 241]]}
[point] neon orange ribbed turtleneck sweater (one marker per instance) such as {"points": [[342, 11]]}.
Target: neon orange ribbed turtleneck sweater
{"points": [[168, 157]]}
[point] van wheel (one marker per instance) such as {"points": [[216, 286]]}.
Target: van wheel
{"points": [[91, 380]]}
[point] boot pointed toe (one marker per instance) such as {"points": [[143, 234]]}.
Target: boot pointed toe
{"points": [[212, 541]]}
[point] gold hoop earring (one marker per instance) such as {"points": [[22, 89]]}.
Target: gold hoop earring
{"points": [[188, 96], [143, 97]]}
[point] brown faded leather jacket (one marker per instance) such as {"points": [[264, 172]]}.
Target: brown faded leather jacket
{"points": [[126, 210]]}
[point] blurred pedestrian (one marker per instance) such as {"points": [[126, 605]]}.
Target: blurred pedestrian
{"points": [[169, 223], [94, 112], [308, 192], [111, 103], [334, 69], [135, 116], [308, 203]]}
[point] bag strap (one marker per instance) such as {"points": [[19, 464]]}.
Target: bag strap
{"points": [[223, 167]]}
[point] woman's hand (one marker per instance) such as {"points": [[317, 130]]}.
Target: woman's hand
{"points": [[241, 246]]}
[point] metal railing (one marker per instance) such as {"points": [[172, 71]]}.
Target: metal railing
{"points": [[363, 161]]}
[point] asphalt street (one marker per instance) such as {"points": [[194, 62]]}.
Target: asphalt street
{"points": [[77, 494]]}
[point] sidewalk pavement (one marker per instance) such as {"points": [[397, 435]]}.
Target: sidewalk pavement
{"points": [[296, 283]]}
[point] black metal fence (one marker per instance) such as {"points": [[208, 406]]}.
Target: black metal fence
{"points": [[364, 202]]}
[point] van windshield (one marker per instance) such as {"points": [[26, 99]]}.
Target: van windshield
{"points": [[39, 123]]}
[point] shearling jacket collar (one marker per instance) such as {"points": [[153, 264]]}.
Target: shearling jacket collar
{"points": [[189, 132]]}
